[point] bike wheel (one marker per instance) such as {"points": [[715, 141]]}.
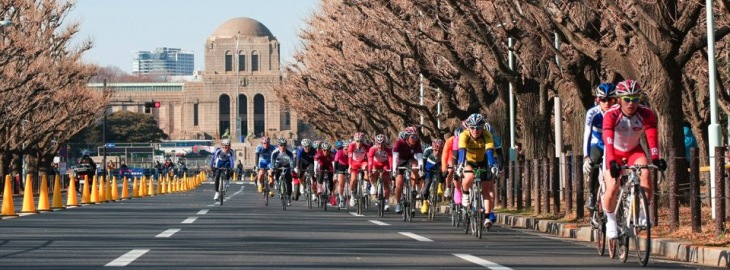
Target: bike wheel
{"points": [[454, 215], [467, 224], [326, 193], [622, 242], [221, 190], [642, 232], [599, 232], [282, 193], [381, 199], [360, 205], [308, 191], [479, 216]]}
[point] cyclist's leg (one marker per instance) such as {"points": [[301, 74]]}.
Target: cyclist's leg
{"points": [[288, 180], [637, 157], [414, 174], [217, 179], [596, 154], [385, 176], [466, 182], [353, 178]]}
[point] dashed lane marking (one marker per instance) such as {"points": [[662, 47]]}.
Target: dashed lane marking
{"points": [[482, 262], [379, 223], [127, 258], [417, 237], [189, 220], [167, 233]]}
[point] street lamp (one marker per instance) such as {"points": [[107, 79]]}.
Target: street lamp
{"points": [[22, 157]]}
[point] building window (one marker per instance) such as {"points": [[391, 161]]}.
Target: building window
{"points": [[229, 61], [285, 118], [254, 61], [224, 115], [259, 115], [195, 114], [241, 62]]}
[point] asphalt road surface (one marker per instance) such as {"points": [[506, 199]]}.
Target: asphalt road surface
{"points": [[190, 231]]}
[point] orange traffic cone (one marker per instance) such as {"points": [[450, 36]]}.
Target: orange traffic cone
{"points": [[94, 191], [143, 187], [43, 203], [125, 189], [28, 202], [161, 182], [8, 204], [151, 187], [135, 188], [115, 190], [57, 204], [108, 190], [86, 192], [169, 185], [102, 190], [71, 200]]}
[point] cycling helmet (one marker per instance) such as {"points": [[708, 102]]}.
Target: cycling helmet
{"points": [[358, 137], [410, 131], [339, 144], [475, 120], [315, 144], [281, 141], [489, 127], [306, 142], [402, 135], [437, 144], [325, 146], [605, 90], [226, 143], [380, 139], [458, 130], [265, 139], [628, 88], [85, 153]]}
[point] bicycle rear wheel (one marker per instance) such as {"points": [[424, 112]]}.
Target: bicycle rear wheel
{"points": [[282, 192], [381, 199], [642, 232], [599, 231], [221, 190], [622, 242], [359, 200], [308, 190]]}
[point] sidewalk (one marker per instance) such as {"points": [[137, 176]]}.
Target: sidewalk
{"points": [[672, 249]]}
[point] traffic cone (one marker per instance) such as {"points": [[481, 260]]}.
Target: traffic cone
{"points": [[43, 203], [142, 186], [102, 189], [8, 204], [169, 185], [135, 188], [125, 189], [94, 191], [71, 200], [159, 187], [108, 189], [85, 194], [115, 190], [57, 204], [28, 202], [161, 182], [151, 191]]}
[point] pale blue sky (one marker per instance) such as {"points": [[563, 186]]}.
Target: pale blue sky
{"points": [[119, 27]]}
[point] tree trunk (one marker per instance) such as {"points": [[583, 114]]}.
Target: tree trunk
{"points": [[532, 106], [669, 125]]}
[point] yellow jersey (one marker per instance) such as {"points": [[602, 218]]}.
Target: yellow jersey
{"points": [[476, 148]]}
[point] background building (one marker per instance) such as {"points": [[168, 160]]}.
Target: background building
{"points": [[164, 62], [241, 60]]}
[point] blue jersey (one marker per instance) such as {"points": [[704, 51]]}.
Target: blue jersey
{"points": [[593, 130], [265, 153], [222, 159], [306, 156]]}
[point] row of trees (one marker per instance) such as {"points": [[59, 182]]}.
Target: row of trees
{"points": [[44, 100], [360, 63]]}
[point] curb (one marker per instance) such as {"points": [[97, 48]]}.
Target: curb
{"points": [[672, 249]]}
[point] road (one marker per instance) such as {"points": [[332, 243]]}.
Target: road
{"points": [[188, 230]]}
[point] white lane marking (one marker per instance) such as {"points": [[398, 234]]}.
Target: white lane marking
{"points": [[189, 220], [378, 222], [168, 233], [210, 205], [203, 212], [127, 258], [355, 214], [482, 262], [417, 237]]}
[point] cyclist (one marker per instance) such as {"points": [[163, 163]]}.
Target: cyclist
{"points": [[323, 166], [341, 166], [379, 158], [623, 126], [407, 153], [432, 163], [476, 151], [282, 158], [263, 156], [592, 137], [305, 160], [222, 157], [448, 160], [357, 159]]}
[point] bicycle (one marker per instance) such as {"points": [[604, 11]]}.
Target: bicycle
{"points": [[434, 199], [265, 189], [308, 188], [360, 192], [281, 183], [475, 213], [380, 192], [325, 188], [632, 207], [407, 197], [222, 187], [598, 219], [342, 199]]}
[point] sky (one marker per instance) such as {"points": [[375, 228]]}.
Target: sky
{"points": [[119, 27]]}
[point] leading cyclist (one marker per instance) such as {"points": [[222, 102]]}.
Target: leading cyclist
{"points": [[623, 126], [222, 157], [476, 151], [263, 156]]}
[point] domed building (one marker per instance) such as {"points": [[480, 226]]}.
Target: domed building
{"points": [[242, 59]]}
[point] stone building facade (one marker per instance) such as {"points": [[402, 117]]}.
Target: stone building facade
{"points": [[241, 57]]}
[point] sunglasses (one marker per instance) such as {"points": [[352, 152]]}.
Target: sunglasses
{"points": [[604, 100], [630, 99], [476, 128], [413, 137]]}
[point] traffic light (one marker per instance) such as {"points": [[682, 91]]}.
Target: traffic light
{"points": [[150, 104]]}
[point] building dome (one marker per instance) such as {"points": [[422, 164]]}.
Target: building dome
{"points": [[244, 26]]}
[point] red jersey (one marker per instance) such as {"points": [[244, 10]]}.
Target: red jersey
{"points": [[623, 133], [380, 158], [325, 161], [357, 154]]}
